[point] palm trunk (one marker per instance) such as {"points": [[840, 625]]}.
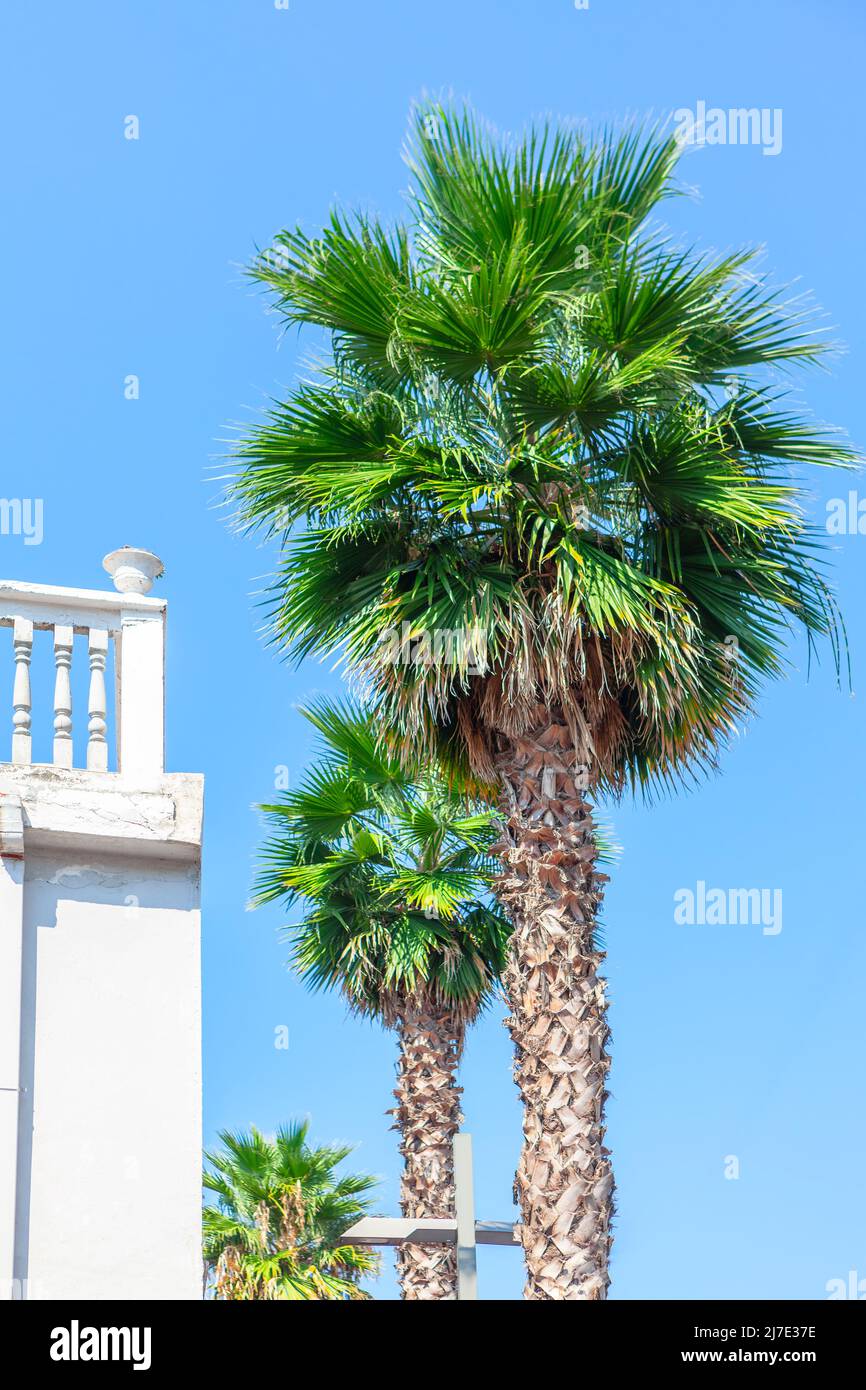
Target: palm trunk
{"points": [[428, 1116], [551, 891]]}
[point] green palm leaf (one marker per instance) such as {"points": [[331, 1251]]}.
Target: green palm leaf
{"points": [[521, 450], [275, 1230], [393, 869]]}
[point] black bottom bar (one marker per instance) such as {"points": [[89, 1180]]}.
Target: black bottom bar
{"points": [[84, 1339]]}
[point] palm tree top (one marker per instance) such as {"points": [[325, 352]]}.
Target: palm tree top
{"points": [[275, 1231], [393, 870], [547, 425]]}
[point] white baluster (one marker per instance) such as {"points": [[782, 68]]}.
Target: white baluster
{"points": [[62, 697], [97, 744], [22, 640]]}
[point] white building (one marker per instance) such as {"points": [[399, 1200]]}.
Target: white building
{"points": [[100, 1065]]}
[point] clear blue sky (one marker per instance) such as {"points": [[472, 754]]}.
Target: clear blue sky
{"points": [[122, 257]]}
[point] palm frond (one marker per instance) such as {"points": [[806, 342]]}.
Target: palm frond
{"points": [[517, 483]]}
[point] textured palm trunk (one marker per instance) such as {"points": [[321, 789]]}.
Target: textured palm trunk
{"points": [[551, 891], [428, 1116]]}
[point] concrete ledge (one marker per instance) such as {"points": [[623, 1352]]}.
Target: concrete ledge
{"points": [[11, 823], [65, 807]]}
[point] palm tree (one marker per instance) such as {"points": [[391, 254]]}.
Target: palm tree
{"points": [[276, 1229], [392, 869], [544, 423]]}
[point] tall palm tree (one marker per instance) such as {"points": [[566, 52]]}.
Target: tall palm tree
{"points": [[545, 422], [275, 1231], [392, 870]]}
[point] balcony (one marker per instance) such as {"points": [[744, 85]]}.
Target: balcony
{"points": [[116, 791]]}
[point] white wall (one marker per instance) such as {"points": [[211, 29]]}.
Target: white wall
{"points": [[108, 1195]]}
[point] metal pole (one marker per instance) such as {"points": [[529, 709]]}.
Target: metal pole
{"points": [[467, 1268]]}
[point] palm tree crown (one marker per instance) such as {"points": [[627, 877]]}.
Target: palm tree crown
{"points": [[393, 870], [276, 1229], [546, 426]]}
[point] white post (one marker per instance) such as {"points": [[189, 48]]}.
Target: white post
{"points": [[139, 658], [22, 639], [62, 697], [467, 1267], [97, 744], [141, 713], [11, 937]]}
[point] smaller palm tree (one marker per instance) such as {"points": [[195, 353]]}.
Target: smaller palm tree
{"points": [[276, 1229], [394, 869]]}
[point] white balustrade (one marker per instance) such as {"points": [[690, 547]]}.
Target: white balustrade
{"points": [[127, 620], [63, 697], [22, 638], [97, 743]]}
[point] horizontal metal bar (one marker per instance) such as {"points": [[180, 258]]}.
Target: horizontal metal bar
{"points": [[400, 1230]]}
